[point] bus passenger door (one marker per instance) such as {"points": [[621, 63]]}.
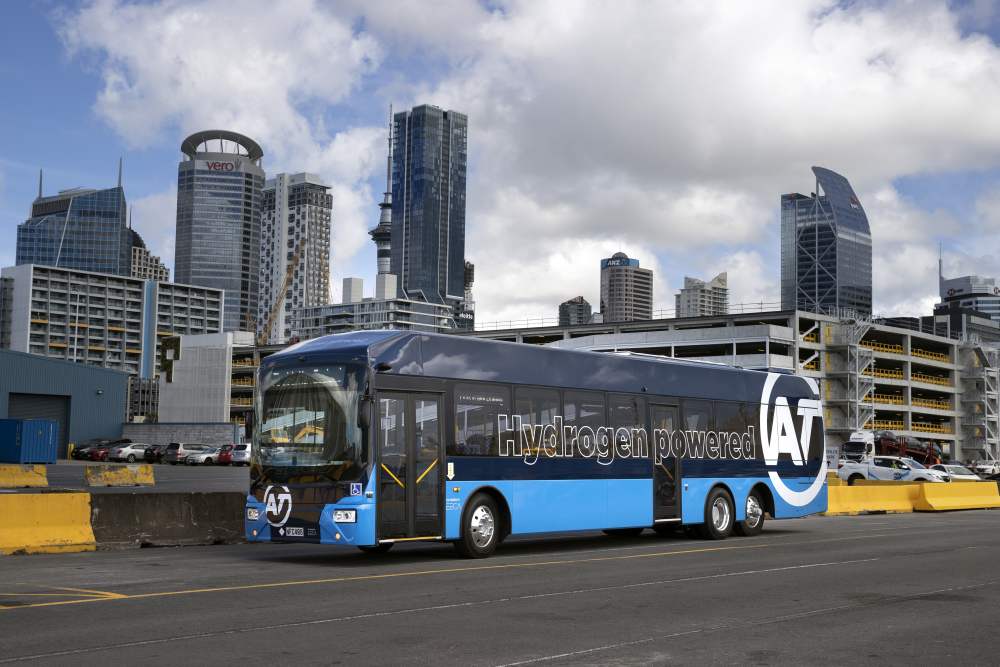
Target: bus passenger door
{"points": [[409, 466], [666, 470]]}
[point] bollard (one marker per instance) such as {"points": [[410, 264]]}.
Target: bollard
{"points": [[36, 523], [23, 477]]}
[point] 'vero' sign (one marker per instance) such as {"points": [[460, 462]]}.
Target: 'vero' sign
{"points": [[220, 166]]}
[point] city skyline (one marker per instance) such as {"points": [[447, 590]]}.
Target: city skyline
{"points": [[557, 192]]}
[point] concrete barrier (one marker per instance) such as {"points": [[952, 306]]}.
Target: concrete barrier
{"points": [[45, 523], [850, 500], [133, 520], [138, 474], [938, 497], [23, 477]]}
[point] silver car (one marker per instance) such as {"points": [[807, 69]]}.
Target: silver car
{"points": [[177, 452], [241, 455], [130, 453], [208, 457]]}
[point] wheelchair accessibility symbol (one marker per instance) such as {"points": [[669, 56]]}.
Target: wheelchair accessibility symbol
{"points": [[355, 489]]}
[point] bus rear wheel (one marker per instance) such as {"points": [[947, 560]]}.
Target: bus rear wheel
{"points": [[754, 522], [378, 548], [718, 516], [480, 528]]}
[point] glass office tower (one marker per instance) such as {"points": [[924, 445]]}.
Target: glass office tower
{"points": [[218, 220], [81, 229], [826, 249], [428, 204]]}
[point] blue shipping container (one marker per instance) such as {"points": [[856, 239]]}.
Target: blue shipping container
{"points": [[28, 440]]}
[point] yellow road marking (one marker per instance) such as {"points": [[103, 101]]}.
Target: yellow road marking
{"points": [[425, 472], [458, 569], [393, 476]]}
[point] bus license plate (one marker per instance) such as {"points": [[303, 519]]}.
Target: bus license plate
{"points": [[295, 532]]}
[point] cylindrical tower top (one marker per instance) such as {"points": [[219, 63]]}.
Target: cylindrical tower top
{"points": [[190, 146]]}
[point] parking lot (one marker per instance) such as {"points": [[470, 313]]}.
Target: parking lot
{"points": [[69, 474], [908, 589]]}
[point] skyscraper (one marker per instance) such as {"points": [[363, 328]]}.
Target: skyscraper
{"points": [[218, 220], [428, 204], [626, 290], [295, 207], [575, 311], [82, 229], [699, 299], [826, 249]]}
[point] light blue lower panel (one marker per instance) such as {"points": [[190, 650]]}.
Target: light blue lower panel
{"points": [[544, 506], [630, 503], [458, 493], [695, 491]]}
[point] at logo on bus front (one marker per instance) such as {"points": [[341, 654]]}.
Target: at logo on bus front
{"points": [[355, 489], [277, 506]]}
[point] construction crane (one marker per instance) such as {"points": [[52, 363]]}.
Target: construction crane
{"points": [[326, 277], [280, 298]]}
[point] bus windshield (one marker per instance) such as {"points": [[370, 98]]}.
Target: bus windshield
{"points": [[308, 420]]}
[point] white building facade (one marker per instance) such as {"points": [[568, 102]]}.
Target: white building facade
{"points": [[699, 298]]}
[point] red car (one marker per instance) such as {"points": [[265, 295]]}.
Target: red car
{"points": [[100, 453], [226, 455]]}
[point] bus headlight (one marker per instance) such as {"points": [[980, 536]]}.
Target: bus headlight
{"points": [[252, 514], [345, 516]]}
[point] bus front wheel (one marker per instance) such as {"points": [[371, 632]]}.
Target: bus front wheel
{"points": [[718, 516], [480, 528]]}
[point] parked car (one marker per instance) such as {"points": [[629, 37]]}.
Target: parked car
{"points": [[83, 451], [890, 468], [208, 457], [129, 453], [177, 452], [958, 473], [987, 467], [155, 453], [225, 455], [100, 452], [240, 455]]}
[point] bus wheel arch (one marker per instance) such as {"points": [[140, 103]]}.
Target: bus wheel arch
{"points": [[759, 503], [766, 497], [505, 526]]}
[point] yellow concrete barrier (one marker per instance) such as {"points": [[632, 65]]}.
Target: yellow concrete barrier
{"points": [[937, 497], [849, 500], [45, 523], [119, 475], [23, 477]]}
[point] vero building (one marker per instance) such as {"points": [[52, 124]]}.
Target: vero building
{"points": [[218, 220], [826, 249]]}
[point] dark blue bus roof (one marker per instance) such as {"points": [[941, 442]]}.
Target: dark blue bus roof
{"points": [[476, 359]]}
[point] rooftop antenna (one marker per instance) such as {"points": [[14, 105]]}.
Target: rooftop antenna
{"points": [[130, 216], [119, 172], [388, 168], [39, 183]]}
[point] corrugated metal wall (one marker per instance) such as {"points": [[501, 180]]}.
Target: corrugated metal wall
{"points": [[91, 415]]}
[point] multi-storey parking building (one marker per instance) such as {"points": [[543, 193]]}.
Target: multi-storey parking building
{"points": [[95, 318], [871, 375]]}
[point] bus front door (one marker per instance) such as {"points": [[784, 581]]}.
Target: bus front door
{"points": [[666, 471], [409, 466]]}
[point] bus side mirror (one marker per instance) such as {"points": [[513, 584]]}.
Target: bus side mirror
{"points": [[248, 426], [365, 413]]}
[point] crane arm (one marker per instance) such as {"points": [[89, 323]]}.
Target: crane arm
{"points": [[280, 299]]}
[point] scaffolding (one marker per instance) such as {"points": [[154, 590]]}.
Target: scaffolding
{"points": [[981, 397], [859, 369]]}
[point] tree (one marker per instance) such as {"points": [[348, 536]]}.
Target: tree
{"points": [[151, 418]]}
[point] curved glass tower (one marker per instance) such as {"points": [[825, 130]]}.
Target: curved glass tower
{"points": [[826, 249]]}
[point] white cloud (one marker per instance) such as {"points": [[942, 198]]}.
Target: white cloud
{"points": [[154, 217], [671, 128]]}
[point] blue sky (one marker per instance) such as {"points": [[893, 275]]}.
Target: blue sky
{"points": [[666, 129]]}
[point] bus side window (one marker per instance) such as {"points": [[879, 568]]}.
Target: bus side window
{"points": [[584, 416], [734, 438], [477, 407], [697, 419], [628, 422], [538, 409]]}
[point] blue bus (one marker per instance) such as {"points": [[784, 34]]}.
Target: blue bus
{"points": [[378, 437]]}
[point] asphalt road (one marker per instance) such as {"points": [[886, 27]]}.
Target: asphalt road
{"points": [[912, 589], [69, 474]]}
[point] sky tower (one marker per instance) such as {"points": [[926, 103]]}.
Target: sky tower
{"points": [[385, 282]]}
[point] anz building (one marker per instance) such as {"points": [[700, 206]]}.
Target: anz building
{"points": [[218, 220], [826, 249]]}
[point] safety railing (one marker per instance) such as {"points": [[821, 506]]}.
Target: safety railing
{"points": [[811, 366], [883, 398], [243, 363], [881, 347], [811, 338], [883, 425], [884, 373], [241, 401], [244, 382], [933, 356], [930, 379], [930, 428], [238, 420], [927, 403]]}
